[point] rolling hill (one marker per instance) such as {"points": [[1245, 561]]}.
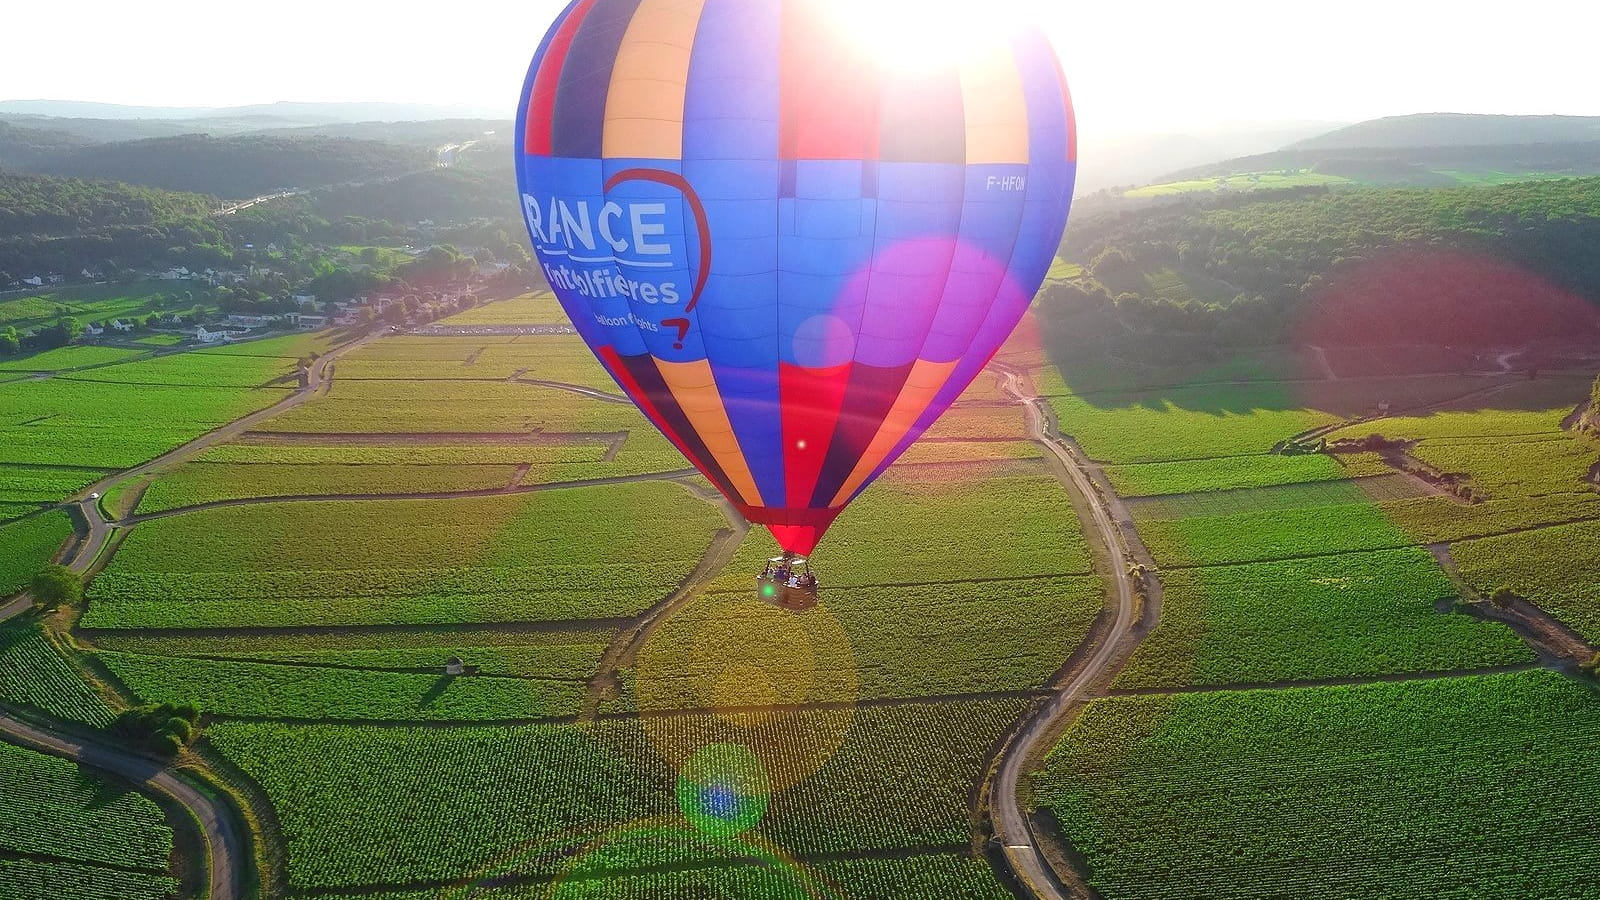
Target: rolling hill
{"points": [[1456, 130]]}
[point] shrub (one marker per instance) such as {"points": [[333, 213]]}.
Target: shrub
{"points": [[163, 729]]}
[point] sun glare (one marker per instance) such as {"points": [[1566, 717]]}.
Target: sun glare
{"points": [[929, 34]]}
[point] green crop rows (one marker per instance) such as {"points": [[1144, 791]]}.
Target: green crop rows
{"points": [[613, 870], [105, 425], [200, 483], [298, 691], [1331, 617], [1552, 567], [27, 545], [33, 673], [44, 484], [1272, 534], [493, 559], [1455, 788], [53, 810], [65, 358], [395, 805], [1502, 468], [445, 406], [904, 530], [1224, 473], [971, 638], [1281, 497], [26, 879]]}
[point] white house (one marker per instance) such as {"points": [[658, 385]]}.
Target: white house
{"points": [[251, 321], [34, 280], [93, 330], [219, 336], [175, 273], [120, 325], [313, 323]]}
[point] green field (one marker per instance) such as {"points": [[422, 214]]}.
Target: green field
{"points": [[1463, 787], [529, 309], [890, 779], [199, 483], [494, 559], [292, 583], [1551, 567], [1255, 181], [94, 303], [34, 674], [27, 545], [66, 359], [1332, 617]]}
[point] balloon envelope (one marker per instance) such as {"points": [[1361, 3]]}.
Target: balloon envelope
{"points": [[790, 251]]}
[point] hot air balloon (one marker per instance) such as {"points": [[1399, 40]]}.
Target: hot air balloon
{"points": [[791, 250]]}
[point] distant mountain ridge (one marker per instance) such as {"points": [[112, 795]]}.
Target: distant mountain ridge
{"points": [[1429, 150], [300, 112], [1455, 130]]}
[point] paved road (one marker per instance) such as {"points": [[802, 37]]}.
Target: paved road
{"points": [[223, 842], [16, 607], [1011, 825]]}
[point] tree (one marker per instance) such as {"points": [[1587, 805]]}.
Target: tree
{"points": [[63, 332], [55, 585], [10, 341]]}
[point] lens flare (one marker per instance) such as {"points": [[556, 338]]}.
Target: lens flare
{"points": [[659, 858], [723, 790], [732, 670]]}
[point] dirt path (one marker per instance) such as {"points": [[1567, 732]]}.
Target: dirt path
{"points": [[1012, 827], [624, 648], [86, 549], [578, 389], [221, 835], [1552, 640]]}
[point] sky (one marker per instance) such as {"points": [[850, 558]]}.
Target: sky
{"points": [[1134, 66]]}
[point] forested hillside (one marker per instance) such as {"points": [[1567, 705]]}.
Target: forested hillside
{"points": [[1439, 166], [21, 147], [1469, 265], [238, 167], [66, 224]]}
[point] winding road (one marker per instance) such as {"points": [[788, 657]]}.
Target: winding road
{"points": [[216, 820], [85, 552], [224, 844], [1011, 823]]}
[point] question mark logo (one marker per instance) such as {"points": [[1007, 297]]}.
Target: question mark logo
{"points": [[683, 329]]}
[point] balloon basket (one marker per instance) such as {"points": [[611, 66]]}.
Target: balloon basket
{"points": [[787, 582]]}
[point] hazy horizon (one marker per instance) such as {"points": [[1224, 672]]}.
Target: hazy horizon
{"points": [[1138, 68]]}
